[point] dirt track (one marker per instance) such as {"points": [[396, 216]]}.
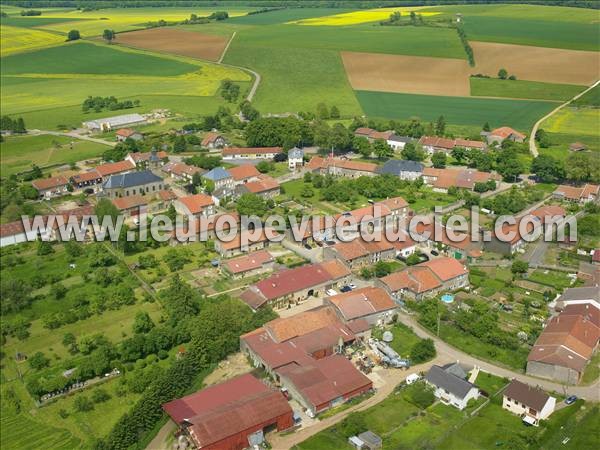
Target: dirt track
{"points": [[178, 42]]}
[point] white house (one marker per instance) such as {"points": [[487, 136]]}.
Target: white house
{"points": [[295, 158], [398, 142], [450, 388], [530, 403]]}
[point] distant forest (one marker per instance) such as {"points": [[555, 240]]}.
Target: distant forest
{"points": [[359, 4]]}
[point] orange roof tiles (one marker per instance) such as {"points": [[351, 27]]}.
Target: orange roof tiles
{"points": [[362, 302], [196, 203], [445, 268], [115, 167], [86, 176], [248, 262], [210, 138], [243, 172], [43, 184], [505, 132], [264, 184], [251, 151], [124, 203], [285, 328]]}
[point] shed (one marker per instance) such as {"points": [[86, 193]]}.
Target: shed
{"points": [[370, 439]]}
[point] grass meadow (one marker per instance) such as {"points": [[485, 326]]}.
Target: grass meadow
{"points": [[533, 90], [519, 114], [18, 153], [571, 125]]}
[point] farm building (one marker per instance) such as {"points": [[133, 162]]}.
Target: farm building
{"points": [[501, 134], [152, 159], [532, 404], [51, 187], [232, 415], [243, 242], [133, 205], [298, 339], [244, 173], [132, 183], [248, 265], [323, 383], [442, 179], [292, 286], [577, 147], [181, 171], [198, 205], [213, 140], [403, 169], [115, 168], [567, 343], [341, 167], [89, 179], [358, 253], [580, 296], [251, 152], [426, 279], [450, 388], [110, 123], [399, 142], [373, 135], [433, 144], [369, 303], [128, 133], [264, 186], [584, 194], [295, 158]]}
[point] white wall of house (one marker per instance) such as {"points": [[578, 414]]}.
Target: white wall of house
{"points": [[453, 400], [518, 408]]}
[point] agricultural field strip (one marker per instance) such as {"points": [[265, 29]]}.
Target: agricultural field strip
{"points": [[361, 16]]}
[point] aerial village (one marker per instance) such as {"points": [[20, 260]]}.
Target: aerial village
{"points": [[355, 322]]}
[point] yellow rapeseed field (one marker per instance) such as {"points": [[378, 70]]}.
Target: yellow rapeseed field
{"points": [[16, 39], [363, 16], [583, 121]]}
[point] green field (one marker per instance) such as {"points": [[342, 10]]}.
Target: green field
{"points": [[18, 153], [591, 98], [34, 21], [534, 90], [519, 114]]}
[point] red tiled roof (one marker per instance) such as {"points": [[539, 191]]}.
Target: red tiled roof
{"points": [[363, 131], [86, 176], [228, 408], [124, 203], [243, 172], [138, 157], [505, 132], [195, 204], [166, 195], [250, 238], [445, 268], [180, 169], [362, 302], [115, 167], [12, 228], [264, 184], [43, 184], [285, 328], [324, 380], [210, 137], [251, 150], [248, 262]]}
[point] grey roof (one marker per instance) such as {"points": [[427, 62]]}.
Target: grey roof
{"points": [[404, 139], [116, 121], [370, 438], [397, 166], [296, 153], [131, 179], [448, 381], [216, 174], [581, 293], [455, 369]]}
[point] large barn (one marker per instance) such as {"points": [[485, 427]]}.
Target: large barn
{"points": [[232, 415]]}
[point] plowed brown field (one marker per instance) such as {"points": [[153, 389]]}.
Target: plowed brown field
{"points": [[178, 42]]}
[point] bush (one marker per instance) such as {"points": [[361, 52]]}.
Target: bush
{"points": [[422, 351], [420, 395], [100, 396], [82, 404]]}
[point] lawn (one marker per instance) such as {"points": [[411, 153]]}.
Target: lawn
{"points": [[592, 371], [551, 278], [18, 153], [404, 338], [571, 125], [519, 114], [494, 87]]}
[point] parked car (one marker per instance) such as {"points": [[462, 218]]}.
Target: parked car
{"points": [[331, 292], [345, 289], [435, 252], [351, 285], [571, 399], [307, 247]]}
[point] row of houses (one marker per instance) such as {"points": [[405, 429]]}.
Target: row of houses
{"points": [[577, 194], [434, 144]]}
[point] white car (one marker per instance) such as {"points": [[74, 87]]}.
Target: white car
{"points": [[352, 286], [331, 292]]}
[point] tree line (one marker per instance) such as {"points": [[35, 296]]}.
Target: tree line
{"points": [[98, 104]]}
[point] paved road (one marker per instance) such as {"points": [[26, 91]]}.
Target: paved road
{"points": [[536, 252], [532, 146]]}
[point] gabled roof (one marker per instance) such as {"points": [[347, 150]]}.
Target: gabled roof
{"points": [[217, 174], [228, 408], [43, 184], [148, 156], [449, 382], [398, 166], [210, 138], [86, 176], [243, 172], [362, 302], [577, 193], [115, 167], [196, 203], [505, 132], [285, 328], [180, 169], [532, 397], [131, 179], [126, 132], [295, 153], [445, 268], [264, 184], [134, 201], [248, 262]]}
